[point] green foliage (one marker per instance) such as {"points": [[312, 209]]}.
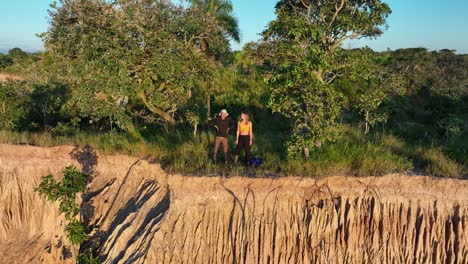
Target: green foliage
{"points": [[125, 66], [313, 106], [453, 125], [305, 40], [209, 25], [351, 154], [48, 103], [76, 232], [193, 119], [87, 258], [17, 54], [15, 105], [114, 72], [5, 61], [329, 22], [457, 149], [216, 26], [449, 73], [73, 182], [191, 157], [28, 106], [66, 129], [369, 84], [240, 89]]}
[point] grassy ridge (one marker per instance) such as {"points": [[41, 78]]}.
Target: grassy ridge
{"points": [[181, 152], [424, 127]]}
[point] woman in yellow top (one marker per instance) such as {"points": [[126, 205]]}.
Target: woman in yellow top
{"points": [[244, 136]]}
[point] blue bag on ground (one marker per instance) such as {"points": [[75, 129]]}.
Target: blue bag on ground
{"points": [[255, 161]]}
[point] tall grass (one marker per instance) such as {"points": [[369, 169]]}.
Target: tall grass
{"points": [[351, 154], [109, 143], [434, 162], [179, 151]]}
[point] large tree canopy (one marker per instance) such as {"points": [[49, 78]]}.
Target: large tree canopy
{"points": [[326, 24], [216, 26], [122, 54], [304, 42]]}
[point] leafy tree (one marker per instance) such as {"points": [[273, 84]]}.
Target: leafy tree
{"points": [[414, 65], [305, 43], [122, 55], [65, 192], [5, 61], [15, 105], [17, 54], [217, 26], [371, 84], [450, 74], [251, 60], [48, 100], [435, 90], [211, 25], [194, 121], [25, 105]]}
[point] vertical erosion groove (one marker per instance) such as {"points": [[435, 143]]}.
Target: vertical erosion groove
{"points": [[282, 227], [139, 214]]}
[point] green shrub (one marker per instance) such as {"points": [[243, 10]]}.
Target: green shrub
{"points": [[63, 129], [457, 148], [73, 182], [15, 105], [87, 258], [76, 231], [5, 61]]}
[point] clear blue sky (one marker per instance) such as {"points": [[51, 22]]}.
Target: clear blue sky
{"points": [[433, 24]]}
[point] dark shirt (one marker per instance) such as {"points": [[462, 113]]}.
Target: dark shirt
{"points": [[223, 126]]}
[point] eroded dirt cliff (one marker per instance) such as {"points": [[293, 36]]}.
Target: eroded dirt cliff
{"points": [[139, 214]]}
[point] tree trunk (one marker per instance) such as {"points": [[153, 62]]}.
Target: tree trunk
{"points": [[195, 130], [156, 110], [306, 153], [208, 106], [367, 123]]}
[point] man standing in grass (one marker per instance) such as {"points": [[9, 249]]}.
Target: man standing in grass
{"points": [[223, 123]]}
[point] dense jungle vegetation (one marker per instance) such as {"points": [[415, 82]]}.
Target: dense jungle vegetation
{"points": [[144, 77]]}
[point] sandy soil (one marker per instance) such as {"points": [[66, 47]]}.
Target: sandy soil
{"points": [[7, 76], [143, 215]]}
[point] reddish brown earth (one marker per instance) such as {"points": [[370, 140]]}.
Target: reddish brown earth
{"points": [[143, 215]]}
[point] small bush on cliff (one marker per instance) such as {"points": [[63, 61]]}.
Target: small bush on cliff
{"points": [[76, 231], [87, 258], [65, 192]]}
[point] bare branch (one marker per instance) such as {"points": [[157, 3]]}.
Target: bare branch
{"points": [[337, 11]]}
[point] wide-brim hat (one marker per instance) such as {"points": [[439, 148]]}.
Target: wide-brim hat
{"points": [[224, 111]]}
